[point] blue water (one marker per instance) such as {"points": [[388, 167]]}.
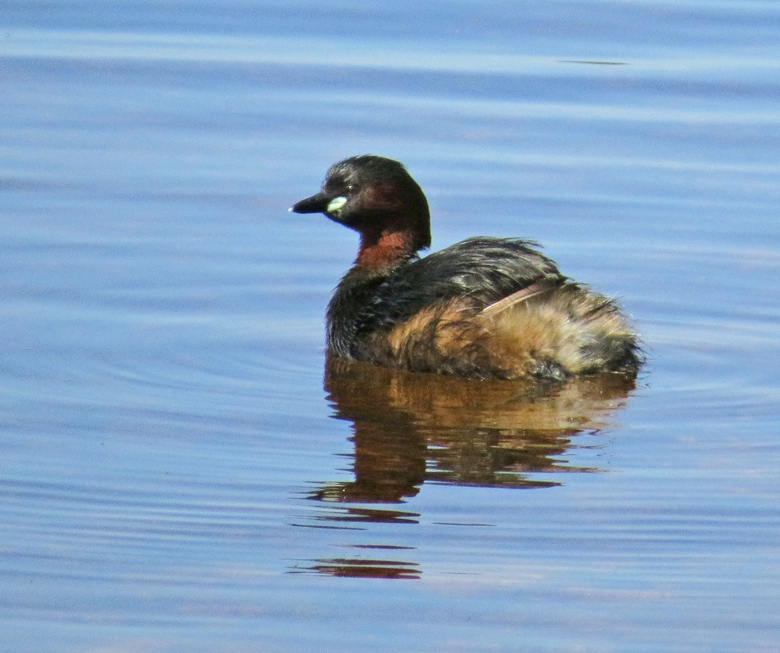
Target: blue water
{"points": [[179, 470]]}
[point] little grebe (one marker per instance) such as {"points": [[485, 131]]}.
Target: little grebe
{"points": [[485, 307]]}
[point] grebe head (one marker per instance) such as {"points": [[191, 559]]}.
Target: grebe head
{"points": [[378, 198]]}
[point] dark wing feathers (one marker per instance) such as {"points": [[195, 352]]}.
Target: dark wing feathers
{"points": [[485, 270]]}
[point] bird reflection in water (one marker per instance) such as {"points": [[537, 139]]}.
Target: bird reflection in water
{"points": [[365, 567], [412, 428]]}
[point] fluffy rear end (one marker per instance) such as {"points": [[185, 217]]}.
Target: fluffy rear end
{"points": [[560, 332], [567, 330]]}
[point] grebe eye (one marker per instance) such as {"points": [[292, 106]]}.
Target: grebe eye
{"points": [[353, 188]]}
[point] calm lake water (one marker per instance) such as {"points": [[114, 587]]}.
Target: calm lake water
{"points": [[179, 469]]}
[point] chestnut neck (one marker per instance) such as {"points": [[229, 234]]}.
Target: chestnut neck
{"points": [[393, 227], [381, 252]]}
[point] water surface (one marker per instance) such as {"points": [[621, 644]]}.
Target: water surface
{"points": [[181, 468]]}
